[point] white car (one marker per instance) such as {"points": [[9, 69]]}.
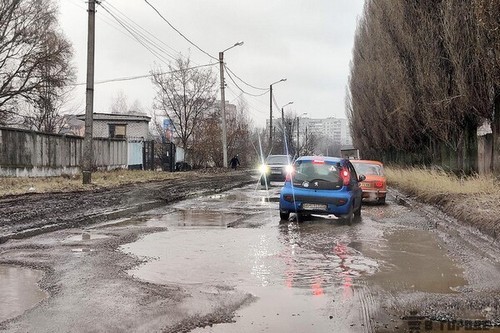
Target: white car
{"points": [[275, 168]]}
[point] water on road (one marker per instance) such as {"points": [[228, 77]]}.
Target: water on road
{"points": [[318, 275]]}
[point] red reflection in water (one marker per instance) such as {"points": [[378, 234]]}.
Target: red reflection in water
{"points": [[316, 287], [341, 251]]}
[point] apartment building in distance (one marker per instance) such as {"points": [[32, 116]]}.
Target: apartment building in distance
{"points": [[335, 130]]}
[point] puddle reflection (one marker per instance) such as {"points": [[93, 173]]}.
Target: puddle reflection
{"points": [[316, 258], [416, 261], [18, 290], [85, 236]]}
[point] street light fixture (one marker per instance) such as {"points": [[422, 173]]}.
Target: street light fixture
{"points": [[271, 112], [282, 112], [223, 102]]}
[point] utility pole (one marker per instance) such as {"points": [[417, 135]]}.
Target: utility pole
{"points": [[223, 102], [271, 114], [298, 146], [223, 108], [88, 153], [270, 117]]}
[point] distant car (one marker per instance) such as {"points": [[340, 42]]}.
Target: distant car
{"points": [[375, 185], [182, 166], [322, 186], [275, 168]]}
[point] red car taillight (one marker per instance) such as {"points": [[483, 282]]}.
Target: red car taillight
{"points": [[288, 198], [346, 177], [379, 184]]}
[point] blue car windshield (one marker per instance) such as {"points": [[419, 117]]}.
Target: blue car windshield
{"points": [[309, 170]]}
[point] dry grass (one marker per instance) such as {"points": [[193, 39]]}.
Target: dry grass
{"points": [[472, 199], [428, 183], [104, 179]]}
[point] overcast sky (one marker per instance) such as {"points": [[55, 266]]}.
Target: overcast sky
{"points": [[308, 42]]}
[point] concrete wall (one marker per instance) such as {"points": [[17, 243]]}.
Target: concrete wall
{"points": [[33, 154], [485, 146]]}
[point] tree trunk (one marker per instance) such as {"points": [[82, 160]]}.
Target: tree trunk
{"points": [[495, 128]]}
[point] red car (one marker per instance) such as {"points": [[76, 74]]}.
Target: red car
{"points": [[375, 185]]}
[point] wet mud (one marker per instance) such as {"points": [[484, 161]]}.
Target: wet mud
{"points": [[224, 262]]}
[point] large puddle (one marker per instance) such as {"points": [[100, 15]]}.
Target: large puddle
{"points": [[414, 261], [307, 277], [19, 290], [302, 276]]}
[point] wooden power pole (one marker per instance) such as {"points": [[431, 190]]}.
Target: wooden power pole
{"points": [[88, 152]]}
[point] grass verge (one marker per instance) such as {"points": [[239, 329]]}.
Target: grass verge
{"points": [[474, 199], [100, 179]]}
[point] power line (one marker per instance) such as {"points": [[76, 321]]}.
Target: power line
{"points": [[177, 53], [243, 91], [130, 78], [138, 36], [253, 108], [180, 33], [248, 84]]}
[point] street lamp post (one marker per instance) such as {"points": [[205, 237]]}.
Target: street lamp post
{"points": [[283, 113], [271, 113], [223, 102]]}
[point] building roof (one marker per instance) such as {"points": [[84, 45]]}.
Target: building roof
{"points": [[140, 117]]}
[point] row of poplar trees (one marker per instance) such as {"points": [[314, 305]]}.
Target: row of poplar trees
{"points": [[425, 75]]}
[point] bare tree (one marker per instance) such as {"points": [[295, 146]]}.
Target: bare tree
{"points": [[207, 142], [119, 103], [239, 128], [34, 62], [184, 95]]}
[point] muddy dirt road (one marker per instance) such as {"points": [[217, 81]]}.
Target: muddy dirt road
{"points": [[223, 262]]}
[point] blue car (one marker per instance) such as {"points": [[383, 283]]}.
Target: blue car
{"points": [[322, 186]]}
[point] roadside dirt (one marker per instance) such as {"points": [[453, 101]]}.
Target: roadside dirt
{"points": [[31, 214]]}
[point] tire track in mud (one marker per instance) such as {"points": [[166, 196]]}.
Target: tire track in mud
{"points": [[368, 304]]}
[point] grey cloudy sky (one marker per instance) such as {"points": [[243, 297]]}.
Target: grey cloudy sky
{"points": [[309, 42]]}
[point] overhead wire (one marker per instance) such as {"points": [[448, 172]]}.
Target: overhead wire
{"points": [[248, 84], [152, 47], [243, 91], [140, 34], [153, 36], [129, 78], [238, 96], [112, 24], [180, 33]]}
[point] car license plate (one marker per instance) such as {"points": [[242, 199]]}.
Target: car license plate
{"points": [[365, 185], [276, 172], [312, 206]]}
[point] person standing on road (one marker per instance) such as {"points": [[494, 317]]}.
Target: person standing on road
{"points": [[234, 162]]}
